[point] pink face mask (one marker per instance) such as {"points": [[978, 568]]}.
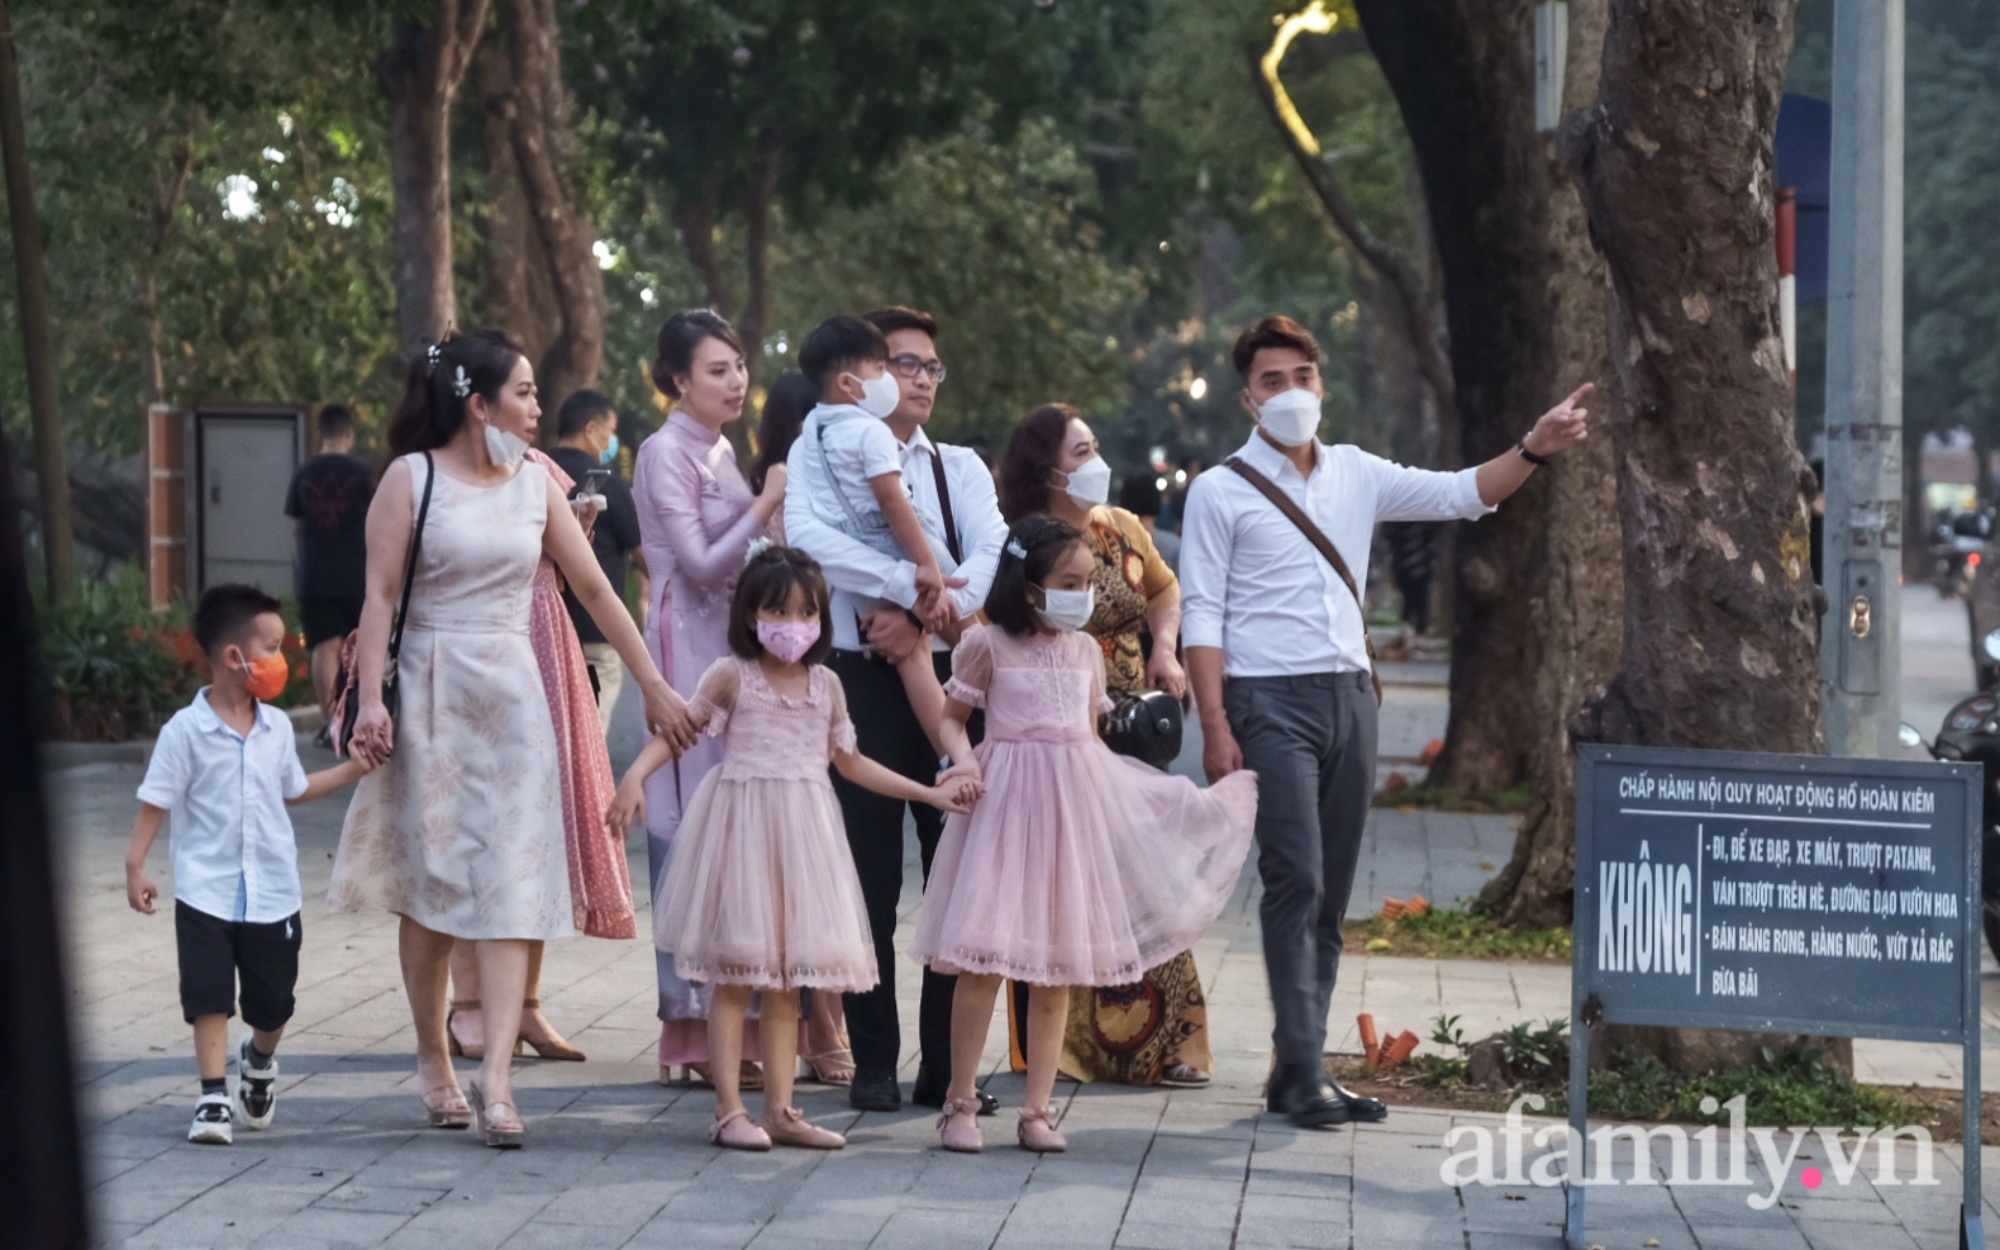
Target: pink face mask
{"points": [[788, 640]]}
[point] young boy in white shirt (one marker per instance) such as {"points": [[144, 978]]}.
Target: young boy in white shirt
{"points": [[225, 767], [853, 479]]}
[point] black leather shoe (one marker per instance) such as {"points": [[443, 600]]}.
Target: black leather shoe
{"points": [[929, 1091], [875, 1091], [1304, 1095], [1360, 1108]]}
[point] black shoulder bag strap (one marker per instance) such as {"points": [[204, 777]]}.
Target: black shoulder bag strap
{"points": [[1296, 515], [944, 504], [410, 565]]}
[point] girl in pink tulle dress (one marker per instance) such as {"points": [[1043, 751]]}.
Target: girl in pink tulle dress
{"points": [[1078, 867], [761, 893]]}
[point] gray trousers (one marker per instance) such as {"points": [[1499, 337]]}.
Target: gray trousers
{"points": [[1311, 741]]}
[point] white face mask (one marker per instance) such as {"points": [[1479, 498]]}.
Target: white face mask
{"points": [[1090, 482], [1067, 609], [1291, 417], [879, 395], [505, 450]]}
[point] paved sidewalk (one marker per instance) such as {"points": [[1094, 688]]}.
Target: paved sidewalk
{"points": [[616, 1160]]}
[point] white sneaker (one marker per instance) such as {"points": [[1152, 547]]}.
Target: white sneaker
{"points": [[211, 1125], [256, 1088]]}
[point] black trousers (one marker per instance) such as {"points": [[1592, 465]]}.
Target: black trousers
{"points": [[886, 730]]}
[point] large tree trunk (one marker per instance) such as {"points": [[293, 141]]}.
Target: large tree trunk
{"points": [[31, 284], [1534, 622], [1721, 632], [420, 76], [539, 115], [518, 298]]}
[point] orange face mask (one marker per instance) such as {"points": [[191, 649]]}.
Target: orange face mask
{"points": [[268, 677]]}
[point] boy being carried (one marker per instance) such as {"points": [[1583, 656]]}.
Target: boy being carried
{"points": [[861, 463], [225, 766]]}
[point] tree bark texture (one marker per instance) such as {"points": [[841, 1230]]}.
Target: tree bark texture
{"points": [[1535, 616], [420, 76], [37, 343], [1721, 630], [1675, 168], [518, 298], [538, 120]]}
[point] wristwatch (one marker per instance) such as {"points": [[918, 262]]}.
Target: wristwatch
{"points": [[1529, 456]]}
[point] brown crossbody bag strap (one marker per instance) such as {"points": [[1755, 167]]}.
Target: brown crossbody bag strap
{"points": [[1296, 515]]}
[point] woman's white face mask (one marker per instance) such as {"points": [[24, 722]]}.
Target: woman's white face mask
{"points": [[1090, 483], [1291, 417]]}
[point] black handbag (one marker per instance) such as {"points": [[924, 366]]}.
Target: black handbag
{"points": [[1146, 725], [347, 682]]}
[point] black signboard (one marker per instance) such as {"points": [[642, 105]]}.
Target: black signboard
{"points": [[1777, 894]]}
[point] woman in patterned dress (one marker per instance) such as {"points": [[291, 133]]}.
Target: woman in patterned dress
{"points": [[459, 829], [1156, 1031]]}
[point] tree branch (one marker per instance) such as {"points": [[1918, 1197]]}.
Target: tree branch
{"points": [[1388, 261], [460, 28]]}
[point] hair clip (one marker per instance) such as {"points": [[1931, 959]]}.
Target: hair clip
{"points": [[757, 547], [432, 355], [1015, 549], [461, 385]]}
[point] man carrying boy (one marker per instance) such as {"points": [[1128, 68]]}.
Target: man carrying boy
{"points": [[877, 634], [225, 766]]}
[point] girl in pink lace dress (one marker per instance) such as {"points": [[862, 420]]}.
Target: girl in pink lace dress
{"points": [[1079, 867], [761, 893]]}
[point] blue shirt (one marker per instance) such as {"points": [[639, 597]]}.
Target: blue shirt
{"points": [[234, 852]]}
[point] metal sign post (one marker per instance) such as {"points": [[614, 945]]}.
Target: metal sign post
{"points": [[1859, 654], [1776, 894]]}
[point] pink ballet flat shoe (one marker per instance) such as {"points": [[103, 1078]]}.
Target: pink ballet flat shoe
{"points": [[788, 1126], [1037, 1131], [735, 1132], [958, 1127]]}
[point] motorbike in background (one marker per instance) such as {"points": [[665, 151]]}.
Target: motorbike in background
{"points": [[1957, 548], [1971, 734]]}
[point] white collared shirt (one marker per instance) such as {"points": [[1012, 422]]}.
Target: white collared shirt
{"points": [[1256, 587], [235, 854], [857, 572]]}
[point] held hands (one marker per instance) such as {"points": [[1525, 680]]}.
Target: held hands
{"points": [[139, 889], [374, 736], [667, 716], [1562, 426], [628, 805], [888, 632], [956, 794]]}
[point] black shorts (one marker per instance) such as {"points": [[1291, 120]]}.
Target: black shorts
{"points": [[215, 954], [328, 618]]}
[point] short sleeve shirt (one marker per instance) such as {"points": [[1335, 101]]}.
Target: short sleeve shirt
{"points": [[329, 499], [859, 448], [235, 854]]}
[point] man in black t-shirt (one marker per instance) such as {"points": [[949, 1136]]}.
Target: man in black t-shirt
{"points": [[328, 504], [587, 442]]}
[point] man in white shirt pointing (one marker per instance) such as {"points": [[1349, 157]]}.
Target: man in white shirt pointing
{"points": [[1277, 654]]}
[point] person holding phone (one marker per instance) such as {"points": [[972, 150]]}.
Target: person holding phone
{"points": [[587, 449]]}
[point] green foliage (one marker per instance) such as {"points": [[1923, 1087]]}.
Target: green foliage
{"points": [[1794, 1085], [119, 667], [1509, 799], [1453, 933]]}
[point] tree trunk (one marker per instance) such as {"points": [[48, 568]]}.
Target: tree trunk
{"points": [[169, 192], [695, 219], [1534, 622], [1675, 169], [757, 247], [38, 350], [518, 298], [538, 116], [420, 76]]}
